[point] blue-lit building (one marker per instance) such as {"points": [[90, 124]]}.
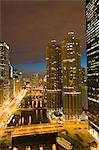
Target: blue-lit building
{"points": [[92, 39]]}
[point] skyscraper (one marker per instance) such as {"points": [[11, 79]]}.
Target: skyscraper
{"points": [[11, 82], [4, 72], [92, 39], [71, 52], [53, 68], [17, 77]]}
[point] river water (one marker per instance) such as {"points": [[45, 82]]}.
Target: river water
{"points": [[39, 142], [36, 142]]}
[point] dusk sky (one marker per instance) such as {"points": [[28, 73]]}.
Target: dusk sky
{"points": [[27, 26]]}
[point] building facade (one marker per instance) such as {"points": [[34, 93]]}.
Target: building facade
{"points": [[53, 69], [71, 65], [11, 82], [4, 72], [92, 39], [17, 81], [35, 79]]}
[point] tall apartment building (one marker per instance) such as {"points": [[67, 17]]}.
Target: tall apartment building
{"points": [[92, 39], [71, 65], [53, 68], [4, 72]]}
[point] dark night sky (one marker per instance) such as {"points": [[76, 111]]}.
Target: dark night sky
{"points": [[28, 26]]}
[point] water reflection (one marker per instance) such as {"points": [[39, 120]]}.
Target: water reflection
{"points": [[39, 142]]}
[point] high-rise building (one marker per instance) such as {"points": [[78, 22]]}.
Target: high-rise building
{"points": [[35, 79], [18, 80], [84, 88], [83, 75], [11, 82], [71, 65], [4, 72], [92, 39], [53, 68]]}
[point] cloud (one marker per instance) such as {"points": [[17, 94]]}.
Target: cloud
{"points": [[28, 26]]}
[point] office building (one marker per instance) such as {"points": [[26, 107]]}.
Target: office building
{"points": [[35, 79], [84, 88], [71, 65], [11, 82], [18, 81], [92, 39], [53, 69], [83, 75], [4, 72]]}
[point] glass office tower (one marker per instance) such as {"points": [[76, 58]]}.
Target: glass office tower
{"points": [[4, 72], [92, 39]]}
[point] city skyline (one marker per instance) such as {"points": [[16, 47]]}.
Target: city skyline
{"points": [[36, 26], [49, 74]]}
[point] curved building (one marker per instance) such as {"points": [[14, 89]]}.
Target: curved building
{"points": [[53, 69], [71, 65]]}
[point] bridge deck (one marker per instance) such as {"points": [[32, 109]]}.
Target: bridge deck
{"points": [[37, 129], [31, 109], [33, 129]]}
